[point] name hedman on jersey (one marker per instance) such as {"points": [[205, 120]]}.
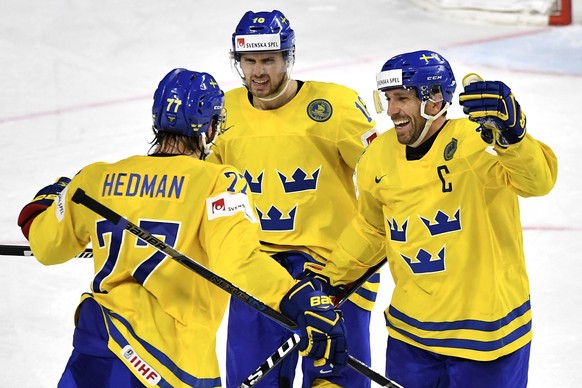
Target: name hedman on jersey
{"points": [[142, 185]]}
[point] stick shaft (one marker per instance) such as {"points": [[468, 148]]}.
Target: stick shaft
{"points": [[82, 198], [24, 250]]}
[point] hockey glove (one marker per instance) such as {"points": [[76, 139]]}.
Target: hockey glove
{"points": [[322, 330], [43, 199], [313, 270], [492, 105]]}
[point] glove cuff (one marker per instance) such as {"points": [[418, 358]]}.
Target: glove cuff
{"points": [[28, 214], [507, 138]]}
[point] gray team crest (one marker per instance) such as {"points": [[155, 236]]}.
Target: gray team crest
{"points": [[450, 149]]}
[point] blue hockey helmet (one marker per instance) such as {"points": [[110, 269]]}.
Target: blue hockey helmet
{"points": [[186, 102], [426, 71], [263, 31]]}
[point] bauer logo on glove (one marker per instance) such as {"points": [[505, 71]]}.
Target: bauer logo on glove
{"points": [[321, 327], [492, 105]]}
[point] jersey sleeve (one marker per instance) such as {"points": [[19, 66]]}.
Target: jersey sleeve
{"points": [[356, 128], [362, 243], [53, 237], [529, 166]]}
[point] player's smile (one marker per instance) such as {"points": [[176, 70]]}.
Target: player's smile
{"points": [[400, 123], [403, 127]]}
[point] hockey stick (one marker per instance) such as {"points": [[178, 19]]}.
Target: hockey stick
{"points": [[24, 250], [281, 352], [82, 198]]}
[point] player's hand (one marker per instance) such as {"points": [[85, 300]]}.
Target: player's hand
{"points": [[43, 199], [493, 106], [322, 330]]}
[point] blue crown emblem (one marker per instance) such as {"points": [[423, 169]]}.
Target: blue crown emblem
{"points": [[256, 187], [425, 262], [274, 221], [395, 233], [443, 223], [299, 181]]}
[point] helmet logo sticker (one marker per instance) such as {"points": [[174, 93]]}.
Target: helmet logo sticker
{"points": [[389, 78], [319, 110], [425, 58], [259, 42]]}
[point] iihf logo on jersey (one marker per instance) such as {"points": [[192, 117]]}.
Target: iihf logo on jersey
{"points": [[128, 352], [140, 366]]}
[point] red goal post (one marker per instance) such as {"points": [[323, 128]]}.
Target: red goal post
{"points": [[562, 16], [537, 12]]}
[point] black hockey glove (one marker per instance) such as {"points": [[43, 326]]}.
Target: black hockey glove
{"points": [[492, 105], [322, 330], [43, 199]]}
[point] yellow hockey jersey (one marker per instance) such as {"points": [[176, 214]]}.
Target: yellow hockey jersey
{"points": [[450, 226], [156, 310], [299, 161]]}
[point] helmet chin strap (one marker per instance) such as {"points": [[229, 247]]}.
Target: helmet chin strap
{"points": [[205, 146], [278, 94], [429, 120]]}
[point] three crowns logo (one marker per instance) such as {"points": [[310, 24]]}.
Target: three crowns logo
{"points": [[424, 262], [443, 223], [299, 181], [274, 221]]}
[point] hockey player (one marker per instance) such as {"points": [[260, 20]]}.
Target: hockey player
{"points": [[149, 321], [297, 144], [439, 198]]}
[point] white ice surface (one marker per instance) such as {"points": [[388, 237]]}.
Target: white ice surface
{"points": [[76, 84]]}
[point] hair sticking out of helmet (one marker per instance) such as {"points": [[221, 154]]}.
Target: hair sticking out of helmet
{"points": [[189, 103], [186, 103], [259, 32], [426, 72]]}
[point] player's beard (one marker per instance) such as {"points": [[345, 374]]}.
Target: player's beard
{"points": [[276, 89], [412, 133]]}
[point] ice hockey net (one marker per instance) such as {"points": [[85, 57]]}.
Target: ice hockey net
{"points": [[540, 12]]}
